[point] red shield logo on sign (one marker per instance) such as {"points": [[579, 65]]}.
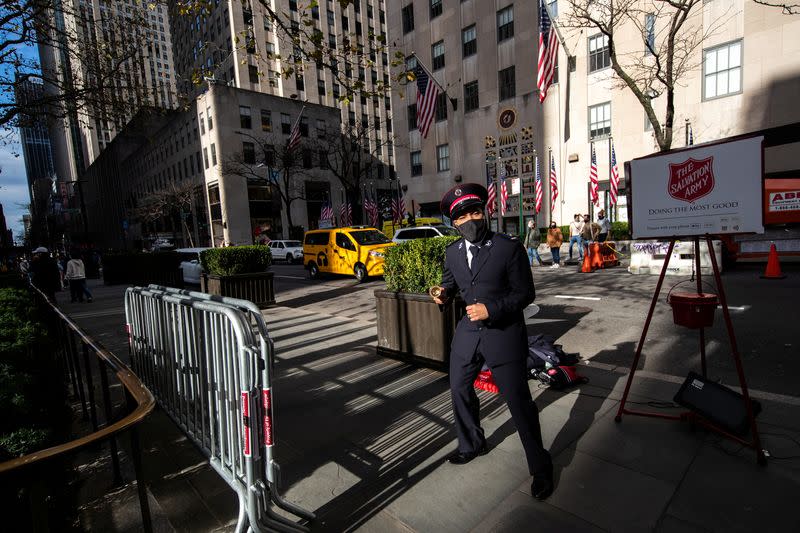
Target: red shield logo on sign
{"points": [[691, 180]]}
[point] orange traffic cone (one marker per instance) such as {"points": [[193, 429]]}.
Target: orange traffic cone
{"points": [[773, 270], [587, 262], [597, 255]]}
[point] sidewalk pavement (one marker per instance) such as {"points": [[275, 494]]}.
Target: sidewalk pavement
{"points": [[362, 442]]}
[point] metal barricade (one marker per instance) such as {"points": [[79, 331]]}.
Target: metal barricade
{"points": [[208, 361]]}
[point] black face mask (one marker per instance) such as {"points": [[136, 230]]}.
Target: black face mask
{"points": [[473, 230]]}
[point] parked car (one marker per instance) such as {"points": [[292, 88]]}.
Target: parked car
{"points": [[424, 232], [291, 251], [190, 264], [355, 250]]}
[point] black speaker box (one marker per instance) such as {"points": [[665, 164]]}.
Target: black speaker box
{"points": [[716, 403]]}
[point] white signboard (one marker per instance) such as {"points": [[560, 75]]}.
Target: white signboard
{"points": [[784, 201], [712, 189]]}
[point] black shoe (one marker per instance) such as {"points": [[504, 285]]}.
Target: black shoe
{"points": [[542, 486], [462, 458]]}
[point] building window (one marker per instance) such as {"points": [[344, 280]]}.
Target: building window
{"points": [[436, 8], [469, 41], [507, 83], [649, 33], [244, 117], [210, 120], [599, 57], [286, 123], [248, 153], [303, 126], [266, 120], [471, 96], [252, 70], [351, 118], [648, 126], [552, 5], [505, 23], [213, 155], [411, 63], [441, 107], [321, 87], [205, 157], [299, 83], [442, 157], [412, 117], [437, 52], [599, 120], [321, 127], [722, 70], [202, 125], [416, 163]]}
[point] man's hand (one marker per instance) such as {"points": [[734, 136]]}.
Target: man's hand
{"points": [[477, 312], [439, 295]]}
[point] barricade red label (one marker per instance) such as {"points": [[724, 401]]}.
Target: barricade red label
{"points": [[691, 180], [247, 445], [266, 395]]}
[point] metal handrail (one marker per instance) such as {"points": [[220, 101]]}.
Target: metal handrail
{"points": [[144, 400]]}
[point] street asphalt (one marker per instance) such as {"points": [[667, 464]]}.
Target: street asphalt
{"points": [[362, 440]]}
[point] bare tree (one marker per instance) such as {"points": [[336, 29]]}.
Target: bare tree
{"points": [[786, 8], [92, 67], [672, 37], [272, 163], [169, 203], [353, 154]]}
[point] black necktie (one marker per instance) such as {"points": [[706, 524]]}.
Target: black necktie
{"points": [[474, 250]]}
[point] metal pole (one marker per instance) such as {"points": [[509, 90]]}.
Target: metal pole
{"points": [[519, 229]]}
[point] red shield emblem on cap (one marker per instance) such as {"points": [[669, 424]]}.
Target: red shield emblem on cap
{"points": [[691, 180]]}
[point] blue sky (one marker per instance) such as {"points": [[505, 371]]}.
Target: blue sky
{"points": [[13, 182]]}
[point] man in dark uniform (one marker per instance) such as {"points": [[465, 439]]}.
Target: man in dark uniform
{"points": [[492, 274]]}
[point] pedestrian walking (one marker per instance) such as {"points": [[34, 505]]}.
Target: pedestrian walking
{"points": [[44, 273], [604, 226], [488, 270], [575, 229], [532, 241], [76, 276], [554, 240]]}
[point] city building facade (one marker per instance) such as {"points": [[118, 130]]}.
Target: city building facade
{"points": [[741, 73]]}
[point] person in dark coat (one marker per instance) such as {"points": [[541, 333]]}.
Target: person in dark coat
{"points": [[492, 274], [44, 273]]}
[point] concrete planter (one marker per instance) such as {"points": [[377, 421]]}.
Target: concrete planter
{"points": [[411, 327], [258, 287]]}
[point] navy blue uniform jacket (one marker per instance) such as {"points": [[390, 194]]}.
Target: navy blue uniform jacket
{"points": [[501, 280]]}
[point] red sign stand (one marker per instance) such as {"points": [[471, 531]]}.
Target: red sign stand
{"points": [[755, 443]]}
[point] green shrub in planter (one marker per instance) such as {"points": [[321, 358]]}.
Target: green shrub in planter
{"points": [[620, 231], [236, 260], [416, 265]]}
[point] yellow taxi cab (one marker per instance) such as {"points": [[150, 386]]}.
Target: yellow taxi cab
{"points": [[354, 250]]}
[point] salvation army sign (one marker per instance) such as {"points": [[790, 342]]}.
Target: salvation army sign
{"points": [[709, 189], [691, 180]]}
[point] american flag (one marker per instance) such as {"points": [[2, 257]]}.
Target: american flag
{"points": [[398, 207], [691, 135], [553, 183], [503, 197], [491, 201], [539, 193], [371, 207], [294, 135], [326, 214], [427, 95], [614, 176], [345, 214], [548, 52], [593, 177]]}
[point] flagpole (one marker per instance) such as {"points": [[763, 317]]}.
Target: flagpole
{"points": [[558, 31], [610, 141], [520, 207]]}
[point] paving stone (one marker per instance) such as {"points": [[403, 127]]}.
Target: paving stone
{"points": [[608, 495], [725, 492]]}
